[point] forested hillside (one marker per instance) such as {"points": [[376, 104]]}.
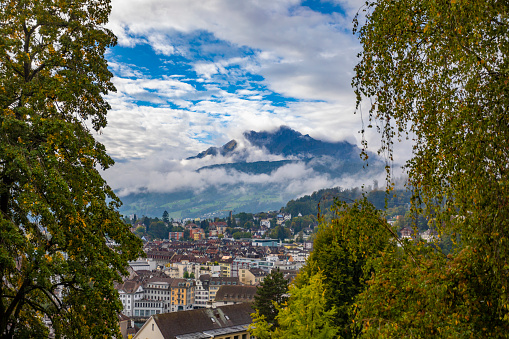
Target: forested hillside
{"points": [[397, 202]]}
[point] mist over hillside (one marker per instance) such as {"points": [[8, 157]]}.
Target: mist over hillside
{"points": [[262, 171]]}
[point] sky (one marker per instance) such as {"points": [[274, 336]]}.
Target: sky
{"points": [[191, 74]]}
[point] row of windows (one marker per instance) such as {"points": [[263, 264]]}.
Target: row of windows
{"points": [[157, 292], [145, 313], [223, 283], [153, 305]]}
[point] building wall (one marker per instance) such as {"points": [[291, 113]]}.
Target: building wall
{"points": [[225, 269], [128, 300], [246, 277], [182, 296], [146, 308], [150, 331]]}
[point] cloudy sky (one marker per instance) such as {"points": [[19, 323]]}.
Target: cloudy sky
{"points": [[191, 74]]}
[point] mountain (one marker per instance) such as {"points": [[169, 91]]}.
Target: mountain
{"points": [[332, 158], [285, 142], [288, 142], [292, 165], [227, 148]]}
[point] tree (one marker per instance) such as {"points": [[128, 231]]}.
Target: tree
{"points": [[56, 211], [344, 249], [205, 225], [300, 237], [303, 316], [437, 71], [280, 232], [166, 218], [139, 231], [437, 297], [244, 218], [239, 235], [158, 230], [272, 290], [146, 221]]}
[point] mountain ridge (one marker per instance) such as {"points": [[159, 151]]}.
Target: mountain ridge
{"points": [[284, 141], [293, 160]]}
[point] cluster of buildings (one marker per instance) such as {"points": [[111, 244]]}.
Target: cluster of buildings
{"points": [[178, 276], [217, 229], [428, 235]]}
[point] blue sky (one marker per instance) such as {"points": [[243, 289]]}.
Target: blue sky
{"points": [[191, 74]]}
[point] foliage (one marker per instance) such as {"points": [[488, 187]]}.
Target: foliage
{"points": [[240, 235], [343, 251], [298, 223], [244, 218], [139, 231], [272, 291], [260, 328], [205, 225], [303, 316], [280, 232], [323, 200], [440, 297], [56, 212], [300, 237], [438, 71], [418, 223], [166, 217], [158, 230]]}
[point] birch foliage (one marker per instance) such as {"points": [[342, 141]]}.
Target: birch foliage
{"points": [[437, 71]]}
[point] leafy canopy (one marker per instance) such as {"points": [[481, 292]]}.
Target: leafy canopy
{"points": [[437, 72], [56, 212], [302, 316], [343, 251]]}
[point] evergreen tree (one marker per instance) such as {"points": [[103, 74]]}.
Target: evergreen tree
{"points": [[166, 218], [273, 289]]}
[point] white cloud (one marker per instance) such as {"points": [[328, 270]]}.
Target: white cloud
{"points": [[302, 53], [162, 175], [156, 121]]}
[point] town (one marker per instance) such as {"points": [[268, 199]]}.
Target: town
{"points": [[204, 265], [199, 265]]}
